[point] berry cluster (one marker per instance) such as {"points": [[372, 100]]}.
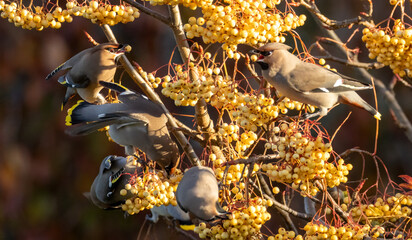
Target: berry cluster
{"points": [[320, 231], [242, 22], [244, 223], [234, 173], [304, 159], [185, 92], [383, 210], [151, 189], [192, 4], [229, 132], [40, 17], [232, 176], [285, 235], [103, 13], [391, 47], [251, 111]]}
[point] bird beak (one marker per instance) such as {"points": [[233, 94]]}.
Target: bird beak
{"points": [[123, 48], [258, 53]]}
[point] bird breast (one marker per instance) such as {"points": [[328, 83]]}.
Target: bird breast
{"points": [[130, 134]]}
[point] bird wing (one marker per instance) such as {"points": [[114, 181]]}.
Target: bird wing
{"points": [[124, 117], [62, 66], [311, 78], [129, 97], [69, 63], [87, 128]]}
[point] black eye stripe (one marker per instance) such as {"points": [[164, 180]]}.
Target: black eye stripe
{"points": [[266, 53]]}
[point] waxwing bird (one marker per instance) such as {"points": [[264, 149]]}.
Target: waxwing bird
{"points": [[174, 212], [135, 122], [114, 173], [85, 69], [309, 83], [198, 193]]}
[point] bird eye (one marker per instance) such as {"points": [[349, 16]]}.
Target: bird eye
{"points": [[266, 53], [112, 50], [108, 162]]}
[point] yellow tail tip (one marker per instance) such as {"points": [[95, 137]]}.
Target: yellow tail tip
{"points": [[188, 227], [70, 111], [377, 116]]}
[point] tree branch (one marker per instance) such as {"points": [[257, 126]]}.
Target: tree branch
{"points": [[154, 97]]}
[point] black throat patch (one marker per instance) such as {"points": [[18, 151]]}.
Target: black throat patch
{"points": [[263, 65]]}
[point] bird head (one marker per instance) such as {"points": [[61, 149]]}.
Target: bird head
{"points": [[114, 173], [111, 170], [116, 49], [265, 53]]}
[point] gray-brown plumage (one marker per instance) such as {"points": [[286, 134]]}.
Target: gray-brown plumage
{"points": [[169, 211], [309, 83], [87, 68], [135, 122], [198, 193], [114, 173]]}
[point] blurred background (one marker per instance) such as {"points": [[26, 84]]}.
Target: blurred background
{"points": [[43, 172]]}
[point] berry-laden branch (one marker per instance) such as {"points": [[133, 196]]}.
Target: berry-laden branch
{"points": [[154, 97], [202, 116]]}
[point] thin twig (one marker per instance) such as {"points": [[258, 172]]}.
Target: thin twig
{"points": [[254, 159], [284, 207], [334, 24], [284, 214], [344, 215], [373, 65]]}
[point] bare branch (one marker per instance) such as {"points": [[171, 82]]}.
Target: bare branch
{"points": [[154, 97], [373, 65], [254, 159], [334, 24]]}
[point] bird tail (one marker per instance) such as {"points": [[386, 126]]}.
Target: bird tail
{"points": [[55, 71], [81, 115], [73, 116], [352, 98], [187, 225]]}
